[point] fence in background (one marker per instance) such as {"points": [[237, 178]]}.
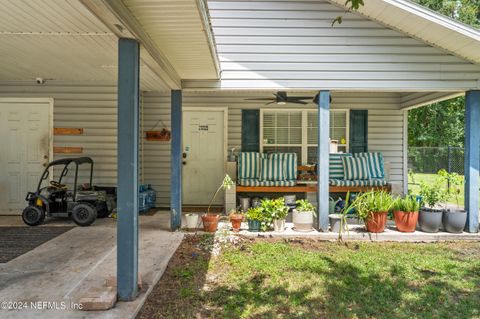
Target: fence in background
{"points": [[432, 159]]}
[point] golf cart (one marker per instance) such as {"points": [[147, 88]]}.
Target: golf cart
{"points": [[83, 203]]}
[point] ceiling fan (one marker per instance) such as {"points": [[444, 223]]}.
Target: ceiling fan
{"points": [[281, 98]]}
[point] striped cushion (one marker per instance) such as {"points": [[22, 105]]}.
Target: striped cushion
{"points": [[273, 169], [249, 165], [355, 168], [336, 165], [290, 162], [375, 164], [365, 182], [256, 182]]}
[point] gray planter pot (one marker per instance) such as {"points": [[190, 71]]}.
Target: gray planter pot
{"points": [[454, 220], [279, 225], [335, 221], [430, 220], [302, 221]]}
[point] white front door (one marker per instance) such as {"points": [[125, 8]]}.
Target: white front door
{"points": [[25, 144], [204, 156]]}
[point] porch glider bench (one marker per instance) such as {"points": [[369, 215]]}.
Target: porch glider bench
{"points": [[277, 173]]}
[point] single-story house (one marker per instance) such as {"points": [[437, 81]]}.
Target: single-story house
{"points": [[90, 77]]}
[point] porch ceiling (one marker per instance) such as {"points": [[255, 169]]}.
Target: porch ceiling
{"points": [[60, 41], [180, 28]]}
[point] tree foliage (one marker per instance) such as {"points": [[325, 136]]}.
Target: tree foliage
{"points": [[442, 124], [438, 124]]}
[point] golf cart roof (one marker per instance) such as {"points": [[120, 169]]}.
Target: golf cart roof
{"points": [[76, 160]]}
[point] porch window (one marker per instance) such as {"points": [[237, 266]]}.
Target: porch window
{"points": [[296, 131]]}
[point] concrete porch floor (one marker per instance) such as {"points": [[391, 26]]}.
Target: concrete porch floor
{"points": [[66, 267]]}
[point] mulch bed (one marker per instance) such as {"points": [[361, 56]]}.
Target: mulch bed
{"points": [[16, 241]]}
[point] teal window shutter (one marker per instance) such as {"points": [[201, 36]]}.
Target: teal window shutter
{"points": [[358, 131], [250, 130]]}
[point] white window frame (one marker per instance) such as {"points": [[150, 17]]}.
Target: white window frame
{"points": [[304, 145]]}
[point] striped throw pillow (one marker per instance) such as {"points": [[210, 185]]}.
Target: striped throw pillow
{"points": [[355, 168], [375, 163], [336, 165], [249, 165], [273, 169], [290, 162]]}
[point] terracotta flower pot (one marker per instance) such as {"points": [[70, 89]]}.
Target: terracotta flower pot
{"points": [[210, 222], [236, 220], [376, 222], [405, 221]]}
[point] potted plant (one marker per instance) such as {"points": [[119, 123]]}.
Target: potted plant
{"points": [[405, 213], [303, 216], [255, 218], [192, 220], [372, 207], [454, 220], [236, 218], [210, 221], [275, 211], [338, 221], [430, 218]]}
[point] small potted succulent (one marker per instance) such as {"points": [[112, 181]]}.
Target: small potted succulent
{"points": [[210, 221], [255, 218], [236, 218], [372, 207], [430, 218], [454, 220], [303, 216], [275, 211], [405, 213]]}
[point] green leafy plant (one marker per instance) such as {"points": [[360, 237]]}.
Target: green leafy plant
{"points": [[455, 182], [255, 213], [372, 202], [343, 217], [351, 5], [433, 194], [276, 208], [408, 204], [227, 183], [304, 206]]}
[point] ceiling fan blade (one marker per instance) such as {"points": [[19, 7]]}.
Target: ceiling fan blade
{"points": [[261, 99], [270, 102], [299, 97], [298, 102]]}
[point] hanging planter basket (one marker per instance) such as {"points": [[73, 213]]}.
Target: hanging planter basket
{"points": [[163, 135]]}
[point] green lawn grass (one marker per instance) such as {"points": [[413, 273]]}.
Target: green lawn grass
{"points": [[278, 278], [415, 179]]}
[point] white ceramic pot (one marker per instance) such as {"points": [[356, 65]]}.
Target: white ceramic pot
{"points": [[192, 220], [279, 225], [302, 221]]}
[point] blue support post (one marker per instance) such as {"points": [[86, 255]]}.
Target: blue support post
{"points": [[472, 158], [127, 168], [176, 161], [323, 158]]}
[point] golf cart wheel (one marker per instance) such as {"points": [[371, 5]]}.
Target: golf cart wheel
{"points": [[84, 214], [33, 216], [102, 210]]}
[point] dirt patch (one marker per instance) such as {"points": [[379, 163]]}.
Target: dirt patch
{"points": [[176, 294]]}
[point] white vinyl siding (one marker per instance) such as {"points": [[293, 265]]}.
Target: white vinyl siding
{"points": [[291, 44], [94, 108], [385, 126], [91, 107]]}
